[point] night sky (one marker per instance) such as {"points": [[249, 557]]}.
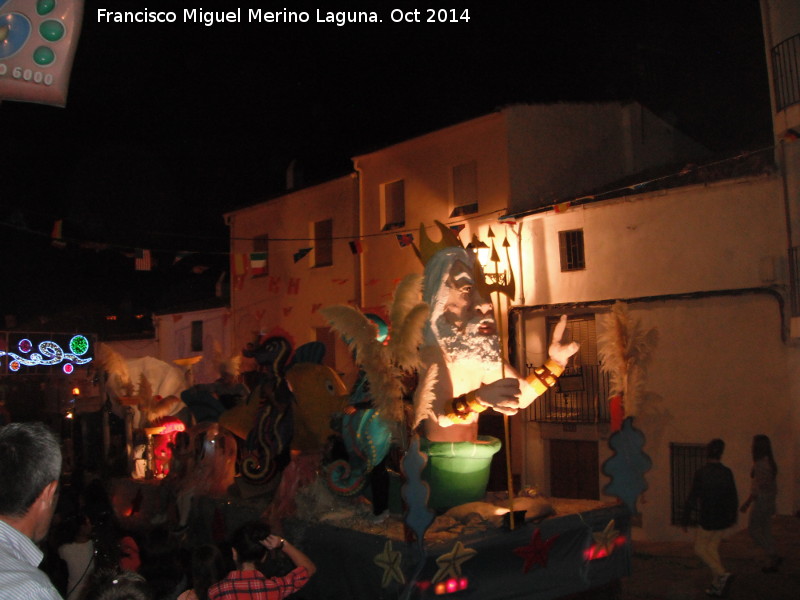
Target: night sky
{"points": [[168, 126]]}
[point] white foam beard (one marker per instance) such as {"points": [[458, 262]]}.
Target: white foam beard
{"points": [[469, 344]]}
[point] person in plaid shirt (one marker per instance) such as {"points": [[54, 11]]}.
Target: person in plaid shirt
{"points": [[250, 544]]}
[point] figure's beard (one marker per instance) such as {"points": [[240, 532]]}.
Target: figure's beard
{"points": [[468, 344]]}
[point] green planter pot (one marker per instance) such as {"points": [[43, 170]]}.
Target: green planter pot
{"points": [[458, 472]]}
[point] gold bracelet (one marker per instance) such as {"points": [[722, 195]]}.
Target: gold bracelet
{"points": [[461, 406], [545, 376], [461, 409], [474, 404]]}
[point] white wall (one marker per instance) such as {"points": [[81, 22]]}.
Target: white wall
{"points": [[695, 238], [174, 333], [290, 297], [719, 371], [707, 265]]}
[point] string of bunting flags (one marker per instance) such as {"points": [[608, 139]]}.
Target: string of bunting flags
{"points": [[256, 263]]}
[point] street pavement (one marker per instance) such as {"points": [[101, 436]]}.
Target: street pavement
{"points": [[671, 571]]}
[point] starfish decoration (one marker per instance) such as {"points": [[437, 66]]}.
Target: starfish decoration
{"points": [[450, 563], [605, 540], [536, 552], [389, 560]]}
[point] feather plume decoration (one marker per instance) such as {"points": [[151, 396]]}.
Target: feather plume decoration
{"points": [[383, 366], [407, 337], [145, 394], [408, 315], [115, 366], [373, 357], [406, 297], [625, 349], [423, 397]]}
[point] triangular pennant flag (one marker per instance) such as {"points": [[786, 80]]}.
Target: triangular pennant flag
{"points": [[563, 207], [457, 228], [356, 247], [404, 239], [301, 253], [507, 220]]}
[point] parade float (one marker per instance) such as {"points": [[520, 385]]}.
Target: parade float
{"points": [[297, 448], [447, 534]]}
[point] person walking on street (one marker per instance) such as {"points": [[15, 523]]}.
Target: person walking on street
{"points": [[763, 492], [714, 490]]}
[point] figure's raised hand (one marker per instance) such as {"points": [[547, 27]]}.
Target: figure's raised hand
{"points": [[501, 395], [561, 352]]}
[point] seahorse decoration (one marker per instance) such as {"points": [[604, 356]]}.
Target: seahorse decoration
{"points": [[367, 438], [378, 394], [268, 443]]}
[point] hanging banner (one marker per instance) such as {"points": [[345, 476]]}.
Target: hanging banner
{"points": [[37, 46]]}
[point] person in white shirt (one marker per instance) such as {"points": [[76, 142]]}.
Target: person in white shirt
{"points": [[79, 555], [30, 468]]}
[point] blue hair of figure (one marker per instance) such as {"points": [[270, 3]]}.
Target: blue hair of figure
{"points": [[433, 293]]}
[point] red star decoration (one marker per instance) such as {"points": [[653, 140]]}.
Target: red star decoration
{"points": [[536, 552]]}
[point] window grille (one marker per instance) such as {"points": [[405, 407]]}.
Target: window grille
{"points": [[570, 244], [685, 460], [786, 72]]}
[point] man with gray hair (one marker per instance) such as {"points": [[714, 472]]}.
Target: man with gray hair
{"points": [[30, 468]]}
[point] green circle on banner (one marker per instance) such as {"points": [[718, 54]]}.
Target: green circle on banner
{"points": [[45, 6], [51, 30], [43, 55]]}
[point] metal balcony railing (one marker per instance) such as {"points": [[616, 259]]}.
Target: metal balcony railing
{"points": [[580, 396], [786, 72]]}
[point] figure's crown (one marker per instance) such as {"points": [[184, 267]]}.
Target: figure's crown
{"points": [[427, 247]]}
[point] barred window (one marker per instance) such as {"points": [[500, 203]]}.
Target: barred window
{"points": [[685, 460], [570, 244]]}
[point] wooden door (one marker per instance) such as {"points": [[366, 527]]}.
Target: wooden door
{"points": [[574, 469]]}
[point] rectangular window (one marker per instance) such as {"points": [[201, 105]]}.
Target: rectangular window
{"points": [[323, 243], [685, 460], [570, 245], [393, 202], [259, 258], [197, 336], [465, 189]]}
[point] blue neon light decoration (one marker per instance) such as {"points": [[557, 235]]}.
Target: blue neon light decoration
{"points": [[50, 353]]}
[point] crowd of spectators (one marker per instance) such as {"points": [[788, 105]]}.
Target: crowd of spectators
{"points": [[87, 555]]}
